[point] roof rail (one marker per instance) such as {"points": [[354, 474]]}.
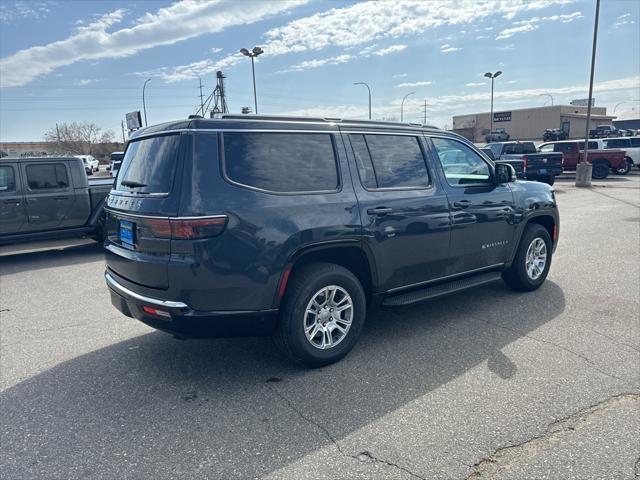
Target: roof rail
{"points": [[288, 118]]}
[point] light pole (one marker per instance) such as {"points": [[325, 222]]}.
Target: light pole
{"points": [[144, 105], [252, 54], [492, 76], [402, 105], [584, 169], [548, 95], [362, 83]]}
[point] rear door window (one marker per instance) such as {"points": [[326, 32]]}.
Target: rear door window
{"points": [[7, 179], [389, 161], [281, 162], [149, 165], [47, 176]]}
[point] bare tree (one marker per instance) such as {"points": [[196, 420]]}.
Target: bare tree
{"points": [[78, 138]]}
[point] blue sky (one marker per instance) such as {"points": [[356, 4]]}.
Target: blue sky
{"points": [[63, 61]]}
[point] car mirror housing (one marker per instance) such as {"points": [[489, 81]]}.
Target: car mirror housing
{"points": [[505, 173]]}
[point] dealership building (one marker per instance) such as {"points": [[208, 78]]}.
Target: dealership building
{"points": [[530, 123]]}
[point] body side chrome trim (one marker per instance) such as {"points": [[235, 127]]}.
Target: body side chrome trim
{"points": [[115, 286], [427, 282], [156, 217]]}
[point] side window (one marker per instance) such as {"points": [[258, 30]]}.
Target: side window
{"points": [[462, 165], [7, 179], [47, 176], [635, 142], [617, 143], [281, 162], [547, 148], [390, 161], [562, 147]]}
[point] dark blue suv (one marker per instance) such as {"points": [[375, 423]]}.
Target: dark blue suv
{"points": [[247, 225]]}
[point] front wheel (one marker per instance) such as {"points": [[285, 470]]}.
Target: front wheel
{"points": [[531, 264], [322, 314], [625, 167]]}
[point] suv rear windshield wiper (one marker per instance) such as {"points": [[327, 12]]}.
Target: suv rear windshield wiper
{"points": [[132, 183]]}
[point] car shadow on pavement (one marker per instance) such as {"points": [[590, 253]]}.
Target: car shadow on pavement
{"points": [[29, 261], [156, 407]]}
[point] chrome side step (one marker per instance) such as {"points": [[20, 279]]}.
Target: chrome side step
{"points": [[427, 293]]}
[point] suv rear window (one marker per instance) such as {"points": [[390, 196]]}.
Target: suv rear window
{"points": [[519, 148], [151, 163], [617, 143], [281, 162]]}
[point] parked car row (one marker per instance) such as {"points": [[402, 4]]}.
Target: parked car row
{"points": [[553, 158]]}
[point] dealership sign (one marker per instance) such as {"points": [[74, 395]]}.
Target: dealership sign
{"points": [[502, 117], [582, 102], [134, 120]]}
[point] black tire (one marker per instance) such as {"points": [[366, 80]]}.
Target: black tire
{"points": [[100, 233], [548, 179], [600, 170], [304, 284], [626, 169], [516, 276]]}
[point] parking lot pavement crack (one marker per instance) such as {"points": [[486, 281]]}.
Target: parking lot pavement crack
{"points": [[504, 457], [615, 340], [364, 456], [594, 365]]}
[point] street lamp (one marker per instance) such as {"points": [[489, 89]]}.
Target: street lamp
{"points": [[492, 76], [144, 105], [548, 95], [402, 105], [362, 83], [252, 54]]}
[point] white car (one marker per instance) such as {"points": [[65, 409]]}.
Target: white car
{"points": [[631, 145], [90, 161]]}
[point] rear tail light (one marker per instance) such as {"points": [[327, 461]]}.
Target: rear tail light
{"points": [[155, 312], [185, 228], [524, 165]]}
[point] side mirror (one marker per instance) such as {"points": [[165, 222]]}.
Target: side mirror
{"points": [[505, 173]]}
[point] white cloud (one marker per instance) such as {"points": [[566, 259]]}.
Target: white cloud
{"points": [[215, 50], [22, 10], [307, 64], [534, 23], [510, 46], [475, 84], [399, 75], [192, 70], [481, 37], [623, 20], [169, 25], [86, 81], [448, 49], [414, 84], [388, 50]]}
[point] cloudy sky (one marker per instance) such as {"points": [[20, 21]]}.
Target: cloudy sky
{"points": [[71, 60]]}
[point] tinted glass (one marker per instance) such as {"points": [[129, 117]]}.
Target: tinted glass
{"points": [[635, 142], [281, 162], [47, 176], [396, 160], [461, 164], [7, 179], [563, 147], [363, 160], [150, 162], [496, 148], [617, 143]]}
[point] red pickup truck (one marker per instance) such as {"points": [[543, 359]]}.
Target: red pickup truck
{"points": [[603, 161]]}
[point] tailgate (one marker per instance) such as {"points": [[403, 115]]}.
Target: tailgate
{"points": [[544, 162], [146, 194]]}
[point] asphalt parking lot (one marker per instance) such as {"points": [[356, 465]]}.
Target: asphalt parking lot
{"points": [[484, 384]]}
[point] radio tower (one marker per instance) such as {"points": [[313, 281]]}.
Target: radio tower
{"points": [[220, 99]]}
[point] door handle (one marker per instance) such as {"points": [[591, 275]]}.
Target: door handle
{"points": [[379, 210], [462, 204], [61, 198]]}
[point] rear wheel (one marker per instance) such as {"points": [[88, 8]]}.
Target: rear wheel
{"points": [[532, 261], [600, 170], [322, 314]]}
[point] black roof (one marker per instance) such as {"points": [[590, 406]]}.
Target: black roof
{"points": [[232, 121]]}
